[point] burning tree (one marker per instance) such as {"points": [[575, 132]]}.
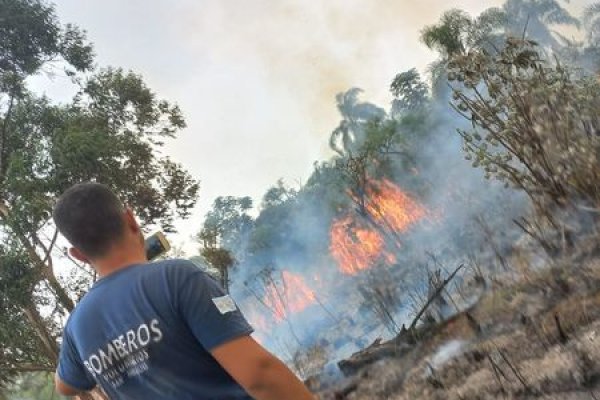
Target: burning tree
{"points": [[282, 293], [366, 142], [355, 247], [360, 240], [286, 293]]}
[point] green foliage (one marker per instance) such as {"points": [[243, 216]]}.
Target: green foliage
{"points": [[535, 124], [278, 194], [30, 36], [17, 277], [111, 132], [591, 21], [17, 281], [227, 223], [409, 91], [33, 385], [534, 18], [355, 114], [224, 234], [449, 35], [221, 260], [457, 33], [273, 226]]}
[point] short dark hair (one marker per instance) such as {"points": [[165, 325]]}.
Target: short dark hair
{"points": [[90, 216]]}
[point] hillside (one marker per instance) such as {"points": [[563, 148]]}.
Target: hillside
{"points": [[532, 335]]}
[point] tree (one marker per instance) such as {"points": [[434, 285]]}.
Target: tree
{"points": [[409, 91], [224, 234], [456, 33], [31, 37], [278, 194], [36, 385], [591, 21], [274, 229], [535, 18], [109, 133], [535, 127], [448, 37], [219, 259], [355, 114]]}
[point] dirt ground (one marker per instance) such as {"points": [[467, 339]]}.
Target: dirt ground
{"points": [[536, 335]]}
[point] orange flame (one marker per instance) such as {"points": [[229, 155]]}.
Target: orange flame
{"points": [[390, 206], [356, 246], [289, 296], [256, 319]]}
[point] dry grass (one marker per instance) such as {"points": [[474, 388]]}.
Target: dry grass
{"points": [[518, 354]]}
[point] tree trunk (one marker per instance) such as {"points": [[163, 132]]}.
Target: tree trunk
{"points": [[49, 342], [225, 279], [61, 295]]}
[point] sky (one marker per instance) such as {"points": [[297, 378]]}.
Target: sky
{"points": [[257, 79]]}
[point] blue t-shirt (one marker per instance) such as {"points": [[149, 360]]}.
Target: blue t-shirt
{"points": [[146, 331]]}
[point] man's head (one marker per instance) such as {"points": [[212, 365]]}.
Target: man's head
{"points": [[96, 222]]}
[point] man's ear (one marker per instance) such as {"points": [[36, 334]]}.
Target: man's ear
{"points": [[78, 255], [130, 220]]}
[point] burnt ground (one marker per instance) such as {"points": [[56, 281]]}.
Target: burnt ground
{"points": [[532, 335]]}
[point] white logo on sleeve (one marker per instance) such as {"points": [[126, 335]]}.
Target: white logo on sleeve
{"points": [[225, 304]]}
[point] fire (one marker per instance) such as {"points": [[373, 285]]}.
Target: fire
{"points": [[256, 318], [356, 248], [360, 243], [289, 296], [390, 206]]}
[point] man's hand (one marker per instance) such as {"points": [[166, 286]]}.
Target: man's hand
{"points": [[259, 372], [64, 389]]}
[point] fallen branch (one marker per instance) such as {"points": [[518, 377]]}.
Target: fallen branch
{"points": [[562, 336], [434, 296]]}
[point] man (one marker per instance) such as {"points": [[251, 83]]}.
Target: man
{"points": [[162, 330]]}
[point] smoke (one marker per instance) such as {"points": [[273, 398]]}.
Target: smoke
{"points": [[447, 352], [310, 51], [257, 81], [349, 312]]}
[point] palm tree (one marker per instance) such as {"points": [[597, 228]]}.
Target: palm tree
{"points": [[584, 53], [355, 115], [448, 37], [534, 18], [456, 33], [591, 21]]}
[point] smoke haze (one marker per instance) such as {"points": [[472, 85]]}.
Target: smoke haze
{"points": [[257, 80]]}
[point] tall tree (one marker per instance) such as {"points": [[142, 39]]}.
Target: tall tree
{"points": [[355, 115], [591, 21], [110, 132], [224, 233], [536, 18], [448, 36], [516, 102], [455, 34], [409, 91]]}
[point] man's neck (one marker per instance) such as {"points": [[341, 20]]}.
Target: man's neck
{"points": [[117, 261]]}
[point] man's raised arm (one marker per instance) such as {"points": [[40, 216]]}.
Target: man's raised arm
{"points": [[260, 373]]}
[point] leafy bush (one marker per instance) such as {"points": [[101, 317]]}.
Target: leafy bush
{"points": [[535, 125]]}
